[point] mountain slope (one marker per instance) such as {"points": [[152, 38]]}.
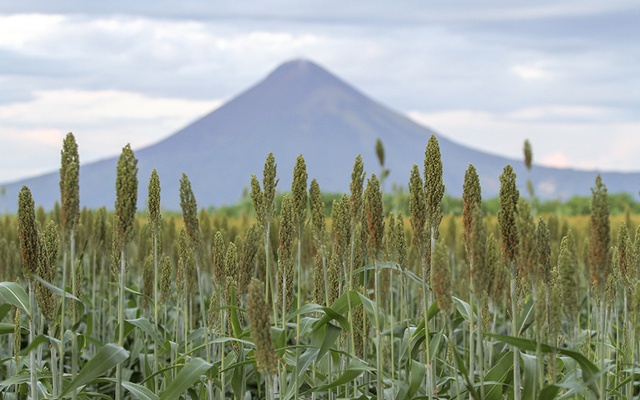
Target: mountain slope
{"points": [[300, 108]]}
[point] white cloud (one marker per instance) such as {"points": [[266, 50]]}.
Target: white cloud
{"points": [[19, 31], [531, 72], [608, 144], [102, 121]]}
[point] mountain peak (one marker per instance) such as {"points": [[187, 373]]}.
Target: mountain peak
{"points": [[300, 108], [302, 72], [299, 66]]}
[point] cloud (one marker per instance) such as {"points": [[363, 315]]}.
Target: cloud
{"points": [[608, 144], [102, 121], [488, 74], [557, 159]]}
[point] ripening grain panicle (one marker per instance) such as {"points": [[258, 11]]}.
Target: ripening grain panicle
{"points": [[189, 211], [507, 214], [543, 253], [126, 196], [264, 199], [17, 335], [231, 261], [400, 241], [625, 257], [600, 236], [374, 214], [568, 277], [165, 276], [471, 198], [335, 277], [417, 208], [318, 279], [258, 313], [285, 254], [478, 252], [27, 232], [317, 214], [498, 283], [526, 230], [49, 242], [356, 188], [184, 273], [217, 256], [341, 227], [528, 154], [433, 184], [153, 206], [69, 183], [247, 260], [269, 184], [299, 191], [442, 278]]}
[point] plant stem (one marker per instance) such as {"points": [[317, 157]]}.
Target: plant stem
{"points": [[514, 332], [32, 355], [120, 322]]}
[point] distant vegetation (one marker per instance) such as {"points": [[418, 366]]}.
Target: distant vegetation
{"points": [[366, 295], [398, 201]]}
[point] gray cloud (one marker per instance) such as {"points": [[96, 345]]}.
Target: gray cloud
{"points": [[570, 63]]}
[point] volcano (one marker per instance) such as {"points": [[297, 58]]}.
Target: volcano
{"points": [[301, 108]]}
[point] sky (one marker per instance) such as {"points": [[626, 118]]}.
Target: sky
{"points": [[489, 74]]}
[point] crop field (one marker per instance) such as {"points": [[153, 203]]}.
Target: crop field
{"points": [[290, 301]]}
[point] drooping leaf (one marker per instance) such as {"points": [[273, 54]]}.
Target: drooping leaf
{"points": [[145, 325], [187, 377], [106, 358], [139, 392], [589, 370], [15, 295]]}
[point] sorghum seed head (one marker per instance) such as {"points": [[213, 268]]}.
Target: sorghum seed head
{"points": [[433, 183], [374, 214], [471, 198], [599, 238], [507, 214], [258, 313], [27, 232], [126, 196], [69, 183], [317, 214], [356, 187], [189, 211], [299, 192], [417, 207], [154, 202]]}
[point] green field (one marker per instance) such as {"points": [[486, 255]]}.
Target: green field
{"points": [[297, 296]]}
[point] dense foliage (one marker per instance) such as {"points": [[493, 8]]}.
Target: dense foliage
{"points": [[312, 295]]}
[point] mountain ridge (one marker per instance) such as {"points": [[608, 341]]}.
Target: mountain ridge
{"points": [[301, 108]]}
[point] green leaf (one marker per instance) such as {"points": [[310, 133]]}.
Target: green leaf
{"points": [[589, 371], [54, 289], [416, 376], [549, 392], [497, 376], [145, 325], [6, 328], [463, 308], [354, 370], [530, 379], [37, 341], [462, 369], [187, 377], [106, 358], [139, 392], [15, 295]]}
